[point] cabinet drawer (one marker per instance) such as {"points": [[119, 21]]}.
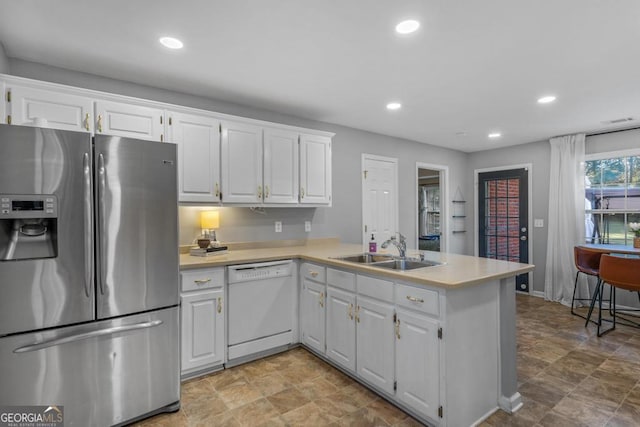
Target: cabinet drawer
{"points": [[376, 288], [194, 280], [341, 279], [314, 272], [420, 299]]}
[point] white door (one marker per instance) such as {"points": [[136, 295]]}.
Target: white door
{"points": [[129, 120], [341, 327], [375, 349], [315, 169], [280, 166], [417, 363], [202, 329], [379, 197], [60, 110], [241, 163], [198, 140], [312, 315]]}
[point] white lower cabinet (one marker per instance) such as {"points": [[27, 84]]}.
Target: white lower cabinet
{"points": [[418, 362], [374, 341], [202, 320], [341, 328], [312, 314]]}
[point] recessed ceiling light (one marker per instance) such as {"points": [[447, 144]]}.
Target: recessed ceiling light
{"points": [[407, 27], [171, 43], [495, 135], [546, 99], [394, 106]]}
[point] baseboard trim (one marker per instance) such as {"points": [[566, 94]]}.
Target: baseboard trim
{"points": [[510, 404]]}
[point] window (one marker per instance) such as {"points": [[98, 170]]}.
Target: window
{"points": [[612, 197]]}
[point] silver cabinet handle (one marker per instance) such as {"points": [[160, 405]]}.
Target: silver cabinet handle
{"points": [[88, 226], [86, 335], [202, 281], [101, 215], [414, 299]]}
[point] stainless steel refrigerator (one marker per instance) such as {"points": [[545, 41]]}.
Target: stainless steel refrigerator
{"points": [[88, 275]]}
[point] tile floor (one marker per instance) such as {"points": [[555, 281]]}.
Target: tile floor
{"points": [[567, 377]]}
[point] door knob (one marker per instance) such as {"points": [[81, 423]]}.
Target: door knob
{"points": [[523, 238]]}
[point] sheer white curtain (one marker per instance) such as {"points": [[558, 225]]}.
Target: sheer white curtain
{"points": [[566, 216]]}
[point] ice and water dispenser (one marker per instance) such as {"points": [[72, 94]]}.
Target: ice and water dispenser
{"points": [[28, 226]]}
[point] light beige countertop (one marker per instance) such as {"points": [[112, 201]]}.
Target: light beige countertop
{"points": [[457, 270]]}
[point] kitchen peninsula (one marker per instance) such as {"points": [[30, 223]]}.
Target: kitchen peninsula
{"points": [[437, 341]]}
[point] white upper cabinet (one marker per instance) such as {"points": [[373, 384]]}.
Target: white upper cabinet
{"points": [[198, 140], [280, 166], [129, 120], [241, 163], [58, 110], [315, 169]]}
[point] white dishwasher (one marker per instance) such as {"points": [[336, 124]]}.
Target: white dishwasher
{"points": [[260, 302]]}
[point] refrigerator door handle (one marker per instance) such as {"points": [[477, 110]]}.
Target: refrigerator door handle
{"points": [[88, 225], [86, 335], [101, 190]]}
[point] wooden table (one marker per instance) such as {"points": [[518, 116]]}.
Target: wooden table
{"points": [[612, 249]]}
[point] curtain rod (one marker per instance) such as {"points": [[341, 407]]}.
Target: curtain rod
{"points": [[613, 131]]}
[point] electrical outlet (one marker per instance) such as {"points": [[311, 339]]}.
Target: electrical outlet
{"points": [[307, 226], [538, 223], [278, 226]]}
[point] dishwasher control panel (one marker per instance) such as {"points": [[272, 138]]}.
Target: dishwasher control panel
{"points": [[260, 271]]}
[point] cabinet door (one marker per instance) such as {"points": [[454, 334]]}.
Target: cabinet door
{"points": [[315, 169], [375, 330], [129, 120], [198, 140], [341, 328], [417, 362], [202, 329], [312, 321], [280, 166], [241, 163], [60, 110]]}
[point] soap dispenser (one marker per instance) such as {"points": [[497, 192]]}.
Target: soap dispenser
{"points": [[372, 244]]}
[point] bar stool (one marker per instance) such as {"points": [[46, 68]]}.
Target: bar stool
{"points": [[620, 273], [587, 262]]}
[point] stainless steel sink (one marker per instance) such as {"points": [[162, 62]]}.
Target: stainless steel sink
{"points": [[388, 261], [365, 258], [405, 264]]}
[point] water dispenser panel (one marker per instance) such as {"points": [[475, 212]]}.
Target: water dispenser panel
{"points": [[28, 206]]}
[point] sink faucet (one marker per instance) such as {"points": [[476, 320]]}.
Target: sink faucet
{"points": [[400, 244]]}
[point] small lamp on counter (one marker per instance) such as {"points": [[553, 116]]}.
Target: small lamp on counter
{"points": [[209, 221]]}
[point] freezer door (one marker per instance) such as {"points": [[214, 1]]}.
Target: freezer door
{"points": [[103, 373], [137, 226], [46, 279]]}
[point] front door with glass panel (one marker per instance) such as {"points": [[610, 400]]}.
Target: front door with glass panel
{"points": [[503, 218]]}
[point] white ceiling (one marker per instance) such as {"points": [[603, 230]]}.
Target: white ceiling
{"points": [[473, 67]]}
